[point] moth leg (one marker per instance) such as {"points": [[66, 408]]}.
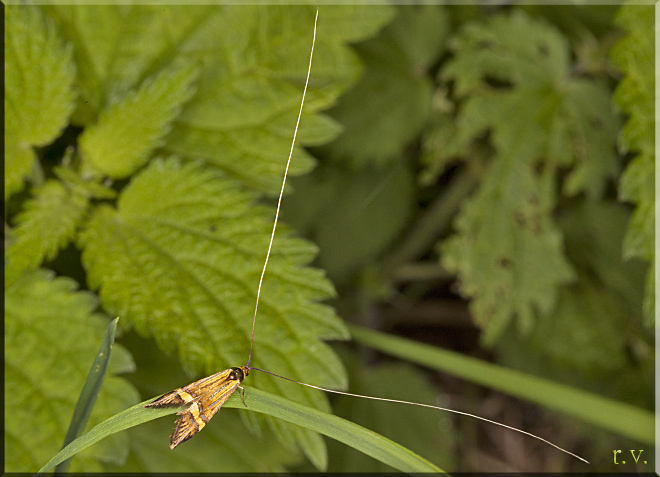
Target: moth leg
{"points": [[242, 394]]}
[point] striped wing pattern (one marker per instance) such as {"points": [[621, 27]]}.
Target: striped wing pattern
{"points": [[203, 399]]}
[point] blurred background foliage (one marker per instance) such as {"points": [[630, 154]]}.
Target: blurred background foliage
{"points": [[485, 140], [481, 179]]}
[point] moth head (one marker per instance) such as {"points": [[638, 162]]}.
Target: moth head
{"points": [[238, 373]]}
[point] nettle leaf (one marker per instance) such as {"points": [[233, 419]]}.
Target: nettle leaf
{"points": [[634, 55], [131, 129], [51, 339], [243, 116], [607, 298], [509, 258], [600, 315], [515, 73], [48, 220], [118, 47], [45, 225], [252, 60], [38, 89], [378, 127], [180, 259]]}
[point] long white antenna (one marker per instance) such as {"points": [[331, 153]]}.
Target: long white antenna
{"points": [[427, 405], [279, 201], [263, 272]]}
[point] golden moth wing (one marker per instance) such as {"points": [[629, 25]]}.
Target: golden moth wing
{"points": [[181, 396], [203, 408]]}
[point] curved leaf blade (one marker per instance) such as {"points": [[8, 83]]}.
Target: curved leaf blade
{"points": [[344, 431], [627, 420], [90, 391], [132, 416]]}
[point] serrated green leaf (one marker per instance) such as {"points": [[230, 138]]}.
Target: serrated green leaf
{"points": [[541, 119], [51, 338], [634, 56], [46, 224], [126, 133], [512, 48], [19, 159], [507, 253], [39, 96], [242, 116], [600, 315], [39, 76], [573, 116], [242, 121], [180, 260], [378, 126], [117, 47], [84, 185]]}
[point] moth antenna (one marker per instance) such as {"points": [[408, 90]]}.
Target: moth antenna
{"points": [[279, 200], [429, 406]]}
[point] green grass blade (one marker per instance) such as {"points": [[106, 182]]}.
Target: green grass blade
{"points": [[353, 435], [131, 417], [624, 419], [362, 439], [90, 391]]}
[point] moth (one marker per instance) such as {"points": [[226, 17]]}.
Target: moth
{"points": [[203, 399]]}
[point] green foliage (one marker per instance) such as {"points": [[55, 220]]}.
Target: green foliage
{"points": [[90, 392], [508, 250], [126, 133], [224, 445], [369, 206], [46, 224], [38, 89], [634, 55], [347, 432], [49, 220], [426, 432], [600, 315], [363, 190], [632, 421], [179, 253], [51, 337], [390, 104], [177, 122], [178, 259]]}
